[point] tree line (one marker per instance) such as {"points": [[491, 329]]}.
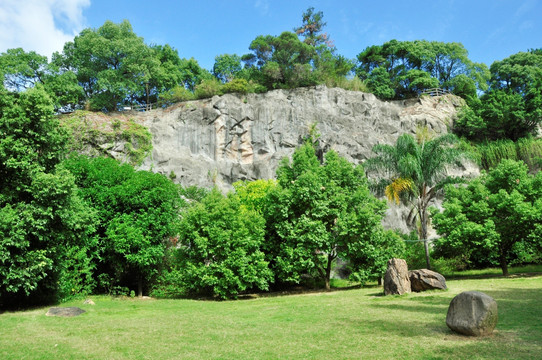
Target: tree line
{"points": [[108, 67], [71, 224]]}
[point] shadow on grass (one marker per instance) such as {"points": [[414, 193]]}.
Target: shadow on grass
{"points": [[491, 275]]}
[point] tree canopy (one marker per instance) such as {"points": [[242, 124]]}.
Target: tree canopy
{"points": [[402, 69], [494, 218], [138, 212], [41, 217], [414, 172], [512, 107], [321, 212]]}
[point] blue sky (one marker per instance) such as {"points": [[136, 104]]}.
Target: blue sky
{"points": [[489, 29]]}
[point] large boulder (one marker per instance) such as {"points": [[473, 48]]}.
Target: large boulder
{"points": [[396, 280], [424, 279], [472, 313]]}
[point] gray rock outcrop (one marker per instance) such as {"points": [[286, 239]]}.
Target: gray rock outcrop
{"points": [[65, 311], [228, 138], [396, 280], [217, 141], [424, 279], [472, 313]]}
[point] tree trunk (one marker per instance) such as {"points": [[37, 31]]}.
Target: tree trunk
{"points": [[328, 271], [422, 212], [504, 265], [139, 287]]}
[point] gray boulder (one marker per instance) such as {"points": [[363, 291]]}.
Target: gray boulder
{"points": [[396, 280], [65, 311], [472, 313], [424, 279]]}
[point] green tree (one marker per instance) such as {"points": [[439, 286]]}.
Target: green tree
{"points": [[113, 65], [512, 108], [284, 61], [518, 72], [226, 67], [192, 74], [22, 70], [446, 65], [138, 212], [413, 172], [320, 212], [312, 27], [41, 217], [219, 250], [495, 213]]}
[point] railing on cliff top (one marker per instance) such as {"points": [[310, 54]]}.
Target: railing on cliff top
{"points": [[144, 107], [435, 92]]}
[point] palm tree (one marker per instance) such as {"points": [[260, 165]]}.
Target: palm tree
{"points": [[413, 172]]}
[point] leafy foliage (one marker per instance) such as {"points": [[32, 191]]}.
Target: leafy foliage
{"points": [[402, 69], [41, 217], [320, 212], [219, 252], [414, 172], [492, 217], [511, 109], [226, 67], [114, 66], [138, 212]]}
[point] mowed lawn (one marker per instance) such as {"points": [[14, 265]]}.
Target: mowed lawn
{"points": [[348, 324]]}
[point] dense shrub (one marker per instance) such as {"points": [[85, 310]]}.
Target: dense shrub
{"points": [[219, 251]]}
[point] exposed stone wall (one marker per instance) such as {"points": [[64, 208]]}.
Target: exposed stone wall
{"points": [[233, 137], [243, 137]]}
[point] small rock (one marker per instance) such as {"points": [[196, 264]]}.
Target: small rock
{"points": [[424, 279], [89, 302], [396, 280], [65, 311], [472, 313]]}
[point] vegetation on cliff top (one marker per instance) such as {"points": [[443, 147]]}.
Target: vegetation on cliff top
{"points": [[76, 225]]}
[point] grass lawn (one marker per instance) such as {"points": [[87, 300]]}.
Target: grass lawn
{"points": [[349, 324]]}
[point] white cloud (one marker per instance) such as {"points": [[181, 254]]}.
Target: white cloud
{"points": [[43, 26], [262, 6]]}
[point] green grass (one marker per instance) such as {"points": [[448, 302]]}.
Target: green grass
{"points": [[493, 272], [349, 324]]}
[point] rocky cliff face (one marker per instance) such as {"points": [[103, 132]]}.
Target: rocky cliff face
{"points": [[243, 137], [224, 139]]}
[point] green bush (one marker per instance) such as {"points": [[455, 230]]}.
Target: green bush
{"points": [[240, 86], [219, 251], [353, 84], [208, 88], [175, 95]]}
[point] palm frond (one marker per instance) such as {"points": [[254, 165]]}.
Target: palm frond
{"points": [[397, 187]]}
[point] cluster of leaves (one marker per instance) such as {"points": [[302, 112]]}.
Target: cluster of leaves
{"points": [[512, 108], [137, 211], [403, 69], [287, 61], [42, 219], [495, 219], [281, 232], [101, 69], [414, 172], [321, 212]]}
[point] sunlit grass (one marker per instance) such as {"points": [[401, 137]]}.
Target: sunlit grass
{"points": [[349, 324]]}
